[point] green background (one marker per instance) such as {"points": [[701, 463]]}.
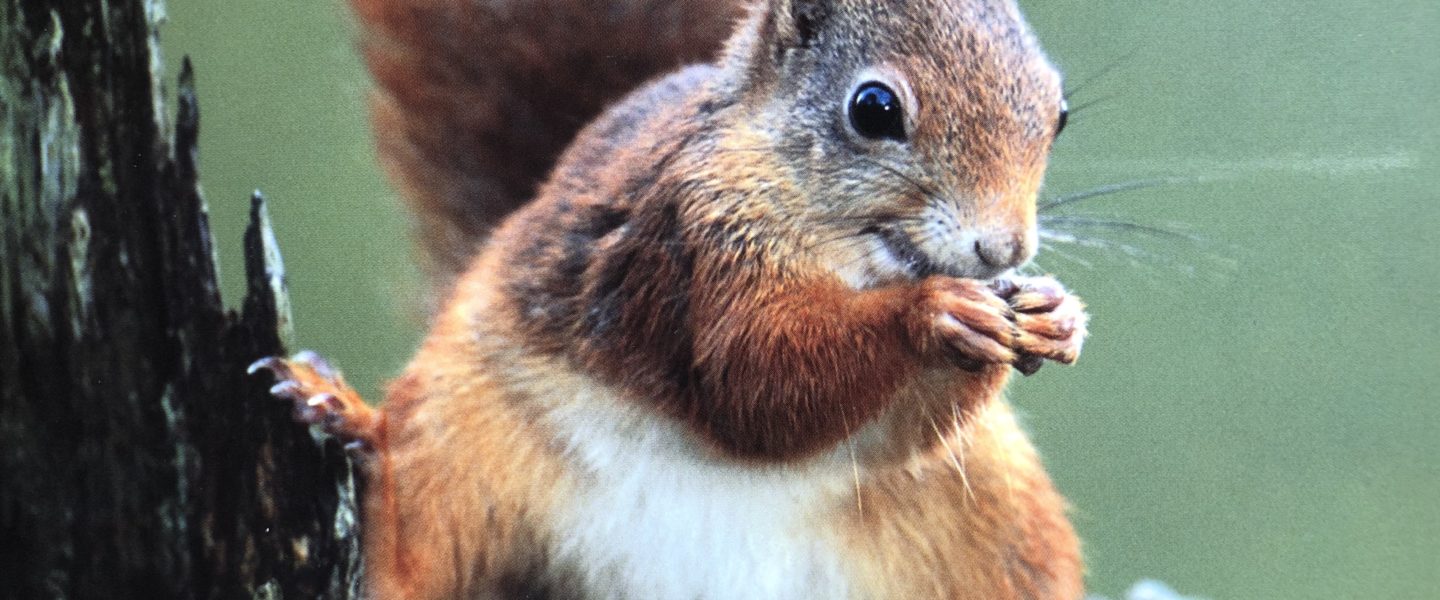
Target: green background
{"points": [[1256, 413]]}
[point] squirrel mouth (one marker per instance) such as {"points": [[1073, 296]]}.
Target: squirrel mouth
{"points": [[920, 265], [910, 256]]}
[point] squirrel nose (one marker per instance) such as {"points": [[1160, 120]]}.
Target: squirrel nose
{"points": [[1001, 250]]}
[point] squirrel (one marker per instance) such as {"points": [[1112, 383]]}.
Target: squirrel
{"points": [[750, 336]]}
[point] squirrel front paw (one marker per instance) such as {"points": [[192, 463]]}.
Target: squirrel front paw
{"points": [[321, 397], [1020, 322], [966, 321], [1050, 321]]}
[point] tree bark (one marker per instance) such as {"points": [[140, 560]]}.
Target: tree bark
{"points": [[137, 459]]}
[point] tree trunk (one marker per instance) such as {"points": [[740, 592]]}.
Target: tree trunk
{"points": [[137, 459]]}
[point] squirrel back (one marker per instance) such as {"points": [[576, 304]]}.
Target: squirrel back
{"points": [[475, 99]]}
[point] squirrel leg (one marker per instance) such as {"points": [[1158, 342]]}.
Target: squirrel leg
{"points": [[823, 358], [321, 397]]}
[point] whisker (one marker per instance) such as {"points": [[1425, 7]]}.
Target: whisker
{"points": [[845, 240], [854, 464], [1098, 75], [1088, 104], [1052, 250], [964, 448], [867, 221], [1116, 224], [909, 264], [1083, 112], [1032, 268], [1066, 237], [929, 236], [955, 460], [857, 235], [1137, 256], [1105, 190], [870, 218], [929, 192], [780, 147], [854, 260], [842, 242]]}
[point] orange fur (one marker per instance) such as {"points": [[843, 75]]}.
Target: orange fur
{"points": [[717, 256], [978, 508]]}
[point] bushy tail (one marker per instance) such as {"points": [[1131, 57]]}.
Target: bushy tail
{"points": [[476, 99]]}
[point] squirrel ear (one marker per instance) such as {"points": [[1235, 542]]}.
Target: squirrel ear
{"points": [[794, 23]]}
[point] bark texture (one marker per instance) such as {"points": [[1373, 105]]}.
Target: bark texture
{"points": [[137, 459]]}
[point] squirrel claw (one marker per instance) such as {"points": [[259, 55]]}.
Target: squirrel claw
{"points": [[273, 364], [1029, 364], [285, 390], [320, 397], [326, 400], [317, 363]]}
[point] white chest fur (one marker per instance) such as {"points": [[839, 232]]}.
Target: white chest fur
{"points": [[658, 518]]}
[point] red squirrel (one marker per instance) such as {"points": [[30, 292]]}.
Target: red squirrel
{"points": [[750, 336]]}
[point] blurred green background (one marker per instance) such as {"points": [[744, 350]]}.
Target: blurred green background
{"points": [[1256, 414]]}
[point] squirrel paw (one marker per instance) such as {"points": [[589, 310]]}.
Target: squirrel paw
{"points": [[1050, 321], [321, 397], [969, 322]]}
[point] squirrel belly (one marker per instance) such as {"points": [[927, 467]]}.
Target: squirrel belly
{"points": [[550, 483], [749, 339]]}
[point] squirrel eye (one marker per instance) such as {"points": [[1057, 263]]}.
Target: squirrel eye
{"points": [[1064, 117], [875, 112]]}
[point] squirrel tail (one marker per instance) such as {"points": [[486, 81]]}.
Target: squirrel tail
{"points": [[476, 99]]}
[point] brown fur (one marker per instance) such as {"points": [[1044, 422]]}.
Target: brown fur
{"points": [[689, 254], [476, 98]]}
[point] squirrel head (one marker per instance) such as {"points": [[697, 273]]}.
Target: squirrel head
{"points": [[916, 132]]}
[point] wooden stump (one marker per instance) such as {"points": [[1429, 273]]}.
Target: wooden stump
{"points": [[137, 459]]}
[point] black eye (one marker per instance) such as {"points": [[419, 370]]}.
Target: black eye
{"points": [[1064, 117], [875, 112]]}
